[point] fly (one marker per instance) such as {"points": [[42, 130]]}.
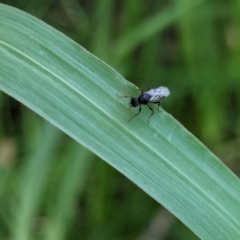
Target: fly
{"points": [[153, 95]]}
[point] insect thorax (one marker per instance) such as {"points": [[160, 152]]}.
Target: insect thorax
{"points": [[144, 98]]}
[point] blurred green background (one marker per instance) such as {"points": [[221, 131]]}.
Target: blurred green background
{"points": [[192, 47]]}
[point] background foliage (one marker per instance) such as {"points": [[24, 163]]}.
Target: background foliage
{"points": [[193, 48]]}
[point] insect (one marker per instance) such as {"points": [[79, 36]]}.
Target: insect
{"points": [[153, 95]]}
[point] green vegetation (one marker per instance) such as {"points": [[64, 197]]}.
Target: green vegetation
{"points": [[51, 187]]}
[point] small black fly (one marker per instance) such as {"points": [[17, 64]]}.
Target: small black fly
{"points": [[153, 95]]}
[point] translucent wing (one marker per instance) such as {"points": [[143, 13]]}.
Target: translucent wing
{"points": [[158, 93]]}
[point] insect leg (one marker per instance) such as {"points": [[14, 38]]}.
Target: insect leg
{"points": [[139, 90], [136, 87], [136, 114], [125, 94], [159, 106], [149, 87], [151, 113]]}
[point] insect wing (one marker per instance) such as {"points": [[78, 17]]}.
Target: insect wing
{"points": [[158, 93]]}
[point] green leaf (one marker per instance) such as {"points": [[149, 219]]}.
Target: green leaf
{"points": [[34, 176], [153, 25], [76, 92]]}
